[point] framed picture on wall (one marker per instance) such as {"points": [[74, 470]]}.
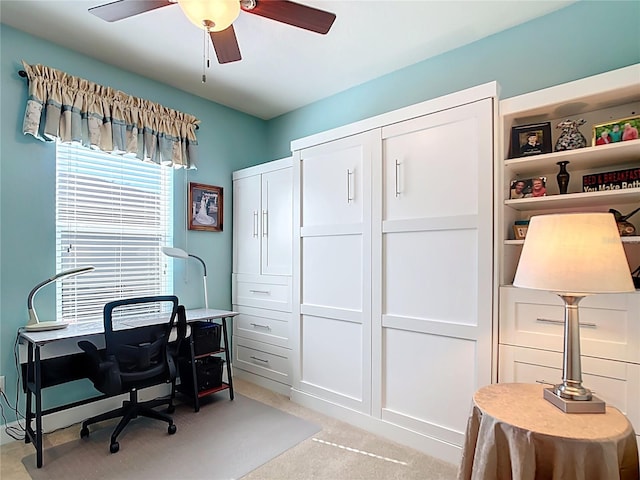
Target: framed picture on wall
{"points": [[204, 207], [527, 140]]}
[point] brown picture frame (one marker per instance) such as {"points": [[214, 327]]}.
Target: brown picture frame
{"points": [[520, 231], [210, 198]]}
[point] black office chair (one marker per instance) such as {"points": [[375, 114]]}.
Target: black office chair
{"points": [[134, 357]]}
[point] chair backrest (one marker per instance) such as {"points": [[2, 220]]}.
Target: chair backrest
{"points": [[139, 346]]}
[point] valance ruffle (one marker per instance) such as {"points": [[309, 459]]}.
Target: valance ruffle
{"points": [[75, 110]]}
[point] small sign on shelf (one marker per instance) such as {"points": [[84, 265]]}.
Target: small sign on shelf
{"points": [[615, 180]]}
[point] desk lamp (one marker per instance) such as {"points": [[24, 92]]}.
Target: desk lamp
{"points": [[179, 253], [34, 323], [573, 255]]}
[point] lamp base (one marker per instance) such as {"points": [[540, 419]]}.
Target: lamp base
{"points": [[43, 326], [595, 405]]}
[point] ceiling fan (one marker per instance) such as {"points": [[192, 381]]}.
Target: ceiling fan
{"points": [[216, 17]]}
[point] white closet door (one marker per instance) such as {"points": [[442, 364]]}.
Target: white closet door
{"points": [[437, 266], [276, 222], [246, 225], [335, 270]]}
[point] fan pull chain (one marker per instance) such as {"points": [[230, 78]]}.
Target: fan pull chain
{"points": [[205, 55]]}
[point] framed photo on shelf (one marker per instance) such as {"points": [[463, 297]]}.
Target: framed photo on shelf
{"points": [[528, 187], [204, 207], [616, 131], [520, 231], [527, 140]]}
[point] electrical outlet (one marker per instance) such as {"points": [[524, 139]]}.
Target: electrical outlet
{"points": [[2, 383]]}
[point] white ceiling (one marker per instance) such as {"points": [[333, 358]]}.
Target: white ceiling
{"points": [[282, 67]]}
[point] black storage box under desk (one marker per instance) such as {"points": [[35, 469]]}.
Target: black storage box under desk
{"points": [[208, 373], [206, 337]]}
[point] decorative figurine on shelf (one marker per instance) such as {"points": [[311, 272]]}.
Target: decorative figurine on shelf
{"points": [[570, 138], [626, 228]]}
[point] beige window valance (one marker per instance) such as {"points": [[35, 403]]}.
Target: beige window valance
{"points": [[72, 109]]}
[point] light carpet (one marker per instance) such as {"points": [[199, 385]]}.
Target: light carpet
{"points": [[224, 440]]}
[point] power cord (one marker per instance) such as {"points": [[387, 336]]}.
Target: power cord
{"points": [[17, 431]]}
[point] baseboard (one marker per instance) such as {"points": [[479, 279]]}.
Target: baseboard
{"points": [[423, 443], [66, 418]]}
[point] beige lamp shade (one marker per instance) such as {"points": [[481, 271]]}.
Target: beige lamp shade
{"points": [[574, 254], [211, 15]]}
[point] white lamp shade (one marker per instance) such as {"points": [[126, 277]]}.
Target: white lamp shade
{"points": [[211, 15], [576, 254], [174, 252]]}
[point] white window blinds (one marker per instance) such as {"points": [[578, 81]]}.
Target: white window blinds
{"points": [[115, 213]]}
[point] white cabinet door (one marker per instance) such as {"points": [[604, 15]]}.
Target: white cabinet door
{"points": [[335, 270], [436, 268], [333, 182], [262, 220], [246, 225], [276, 222]]}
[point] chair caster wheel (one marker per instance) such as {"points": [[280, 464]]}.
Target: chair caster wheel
{"points": [[84, 433], [171, 408], [172, 429], [114, 447]]}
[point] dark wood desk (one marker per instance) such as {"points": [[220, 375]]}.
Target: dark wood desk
{"points": [[513, 433], [67, 365]]}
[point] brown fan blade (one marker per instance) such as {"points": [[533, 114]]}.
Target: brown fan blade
{"points": [[226, 46], [121, 9], [294, 14]]}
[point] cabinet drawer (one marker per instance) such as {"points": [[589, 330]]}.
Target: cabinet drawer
{"points": [[609, 326], [273, 293], [617, 383], [263, 359], [266, 326]]}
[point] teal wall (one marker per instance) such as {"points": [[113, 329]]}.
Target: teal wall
{"points": [[583, 39], [228, 140]]}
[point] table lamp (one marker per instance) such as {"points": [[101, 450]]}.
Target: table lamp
{"points": [[179, 253], [34, 323], [573, 255]]}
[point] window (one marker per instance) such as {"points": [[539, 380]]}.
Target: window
{"points": [[112, 212]]}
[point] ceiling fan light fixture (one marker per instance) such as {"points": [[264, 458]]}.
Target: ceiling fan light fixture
{"points": [[211, 15]]}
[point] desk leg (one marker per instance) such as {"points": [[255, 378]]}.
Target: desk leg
{"points": [[33, 387], [227, 355], [38, 381], [194, 376]]}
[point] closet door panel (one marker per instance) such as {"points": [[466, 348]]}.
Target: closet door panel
{"points": [[332, 271], [432, 281], [431, 166], [418, 391], [332, 185], [332, 358]]}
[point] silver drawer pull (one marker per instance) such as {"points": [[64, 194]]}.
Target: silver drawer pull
{"points": [[259, 359], [561, 322], [257, 325], [266, 292]]}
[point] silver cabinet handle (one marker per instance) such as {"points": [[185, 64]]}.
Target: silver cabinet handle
{"points": [[349, 181], [259, 359], [561, 322], [265, 219], [397, 178], [255, 223], [257, 325], [266, 292]]}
